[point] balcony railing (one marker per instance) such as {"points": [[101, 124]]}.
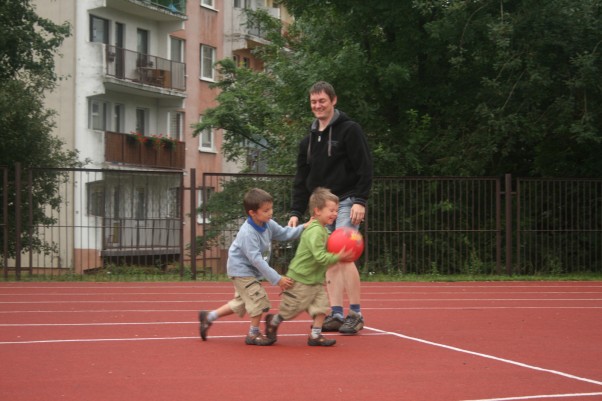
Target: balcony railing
{"points": [[145, 69], [120, 148], [175, 6]]}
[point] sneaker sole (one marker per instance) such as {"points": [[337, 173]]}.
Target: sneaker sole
{"points": [[203, 333]]}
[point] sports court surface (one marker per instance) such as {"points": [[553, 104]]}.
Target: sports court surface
{"points": [[422, 342]]}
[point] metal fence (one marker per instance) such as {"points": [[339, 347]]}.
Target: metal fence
{"points": [[83, 221]]}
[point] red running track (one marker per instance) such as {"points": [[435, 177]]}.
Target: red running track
{"points": [[422, 342]]}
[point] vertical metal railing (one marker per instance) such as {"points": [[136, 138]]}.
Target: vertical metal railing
{"points": [[414, 225]]}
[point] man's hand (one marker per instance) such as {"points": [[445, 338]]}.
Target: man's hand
{"points": [[293, 221], [358, 212]]}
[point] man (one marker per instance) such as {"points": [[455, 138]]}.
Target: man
{"points": [[335, 155]]}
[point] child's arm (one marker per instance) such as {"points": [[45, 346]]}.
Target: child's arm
{"points": [[285, 233], [251, 249]]}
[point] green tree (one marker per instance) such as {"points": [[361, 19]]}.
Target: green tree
{"points": [[28, 45], [441, 87]]}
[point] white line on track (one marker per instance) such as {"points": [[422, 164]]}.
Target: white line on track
{"points": [[128, 293], [495, 358], [539, 397], [363, 308], [375, 331], [363, 300]]}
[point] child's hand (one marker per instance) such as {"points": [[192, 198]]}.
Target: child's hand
{"points": [[285, 283], [346, 255]]}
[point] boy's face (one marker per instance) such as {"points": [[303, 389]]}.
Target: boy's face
{"points": [[263, 214], [328, 214]]}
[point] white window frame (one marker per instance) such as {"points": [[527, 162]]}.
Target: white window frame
{"points": [[242, 4], [208, 54], [96, 199], [208, 3], [173, 203], [142, 116], [177, 44], [118, 117], [200, 201], [176, 125], [98, 114], [207, 140]]}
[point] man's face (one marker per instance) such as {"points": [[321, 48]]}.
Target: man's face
{"points": [[322, 106]]}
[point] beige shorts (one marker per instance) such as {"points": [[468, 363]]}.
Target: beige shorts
{"points": [[249, 297], [302, 297]]}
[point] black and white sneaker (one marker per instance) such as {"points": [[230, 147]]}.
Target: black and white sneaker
{"points": [[353, 323]]}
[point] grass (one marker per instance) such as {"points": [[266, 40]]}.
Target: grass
{"points": [[143, 275]]}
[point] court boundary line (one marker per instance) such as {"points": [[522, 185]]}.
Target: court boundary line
{"points": [[534, 397], [487, 356], [373, 329]]}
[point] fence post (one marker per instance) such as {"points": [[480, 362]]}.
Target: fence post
{"points": [[508, 193], [5, 221], [193, 222], [18, 221]]}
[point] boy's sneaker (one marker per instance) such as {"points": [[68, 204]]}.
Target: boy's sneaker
{"points": [[271, 332], [332, 323], [320, 341], [354, 322], [204, 324], [258, 339]]}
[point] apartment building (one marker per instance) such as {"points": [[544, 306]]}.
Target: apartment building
{"points": [[137, 75]]}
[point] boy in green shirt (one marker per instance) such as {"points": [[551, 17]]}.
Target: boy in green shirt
{"points": [[308, 269]]}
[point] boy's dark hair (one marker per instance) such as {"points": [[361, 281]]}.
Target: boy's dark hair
{"points": [[319, 198], [254, 198], [323, 86]]}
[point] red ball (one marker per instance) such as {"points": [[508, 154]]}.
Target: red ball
{"points": [[346, 237]]}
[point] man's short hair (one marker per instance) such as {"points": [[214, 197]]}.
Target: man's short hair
{"points": [[323, 86]]}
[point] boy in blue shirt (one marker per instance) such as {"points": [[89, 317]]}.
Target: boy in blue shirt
{"points": [[248, 258]]}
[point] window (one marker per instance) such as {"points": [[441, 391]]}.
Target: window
{"points": [[203, 196], [99, 30], [118, 117], [173, 202], [206, 140], [97, 114], [176, 125], [140, 203], [208, 3], [142, 42], [142, 47], [96, 199], [141, 117], [242, 3], [207, 61], [176, 49]]}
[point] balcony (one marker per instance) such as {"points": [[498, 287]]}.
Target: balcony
{"points": [[120, 148], [157, 10], [145, 71]]}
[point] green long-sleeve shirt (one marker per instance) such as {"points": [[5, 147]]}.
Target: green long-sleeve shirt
{"points": [[312, 259]]}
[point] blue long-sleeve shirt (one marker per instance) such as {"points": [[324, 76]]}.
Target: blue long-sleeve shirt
{"points": [[250, 252]]}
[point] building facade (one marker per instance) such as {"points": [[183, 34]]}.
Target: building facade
{"points": [[136, 76]]}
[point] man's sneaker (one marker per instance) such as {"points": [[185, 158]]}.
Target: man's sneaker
{"points": [[258, 339], [332, 323], [354, 322], [271, 332], [320, 341], [204, 324]]}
